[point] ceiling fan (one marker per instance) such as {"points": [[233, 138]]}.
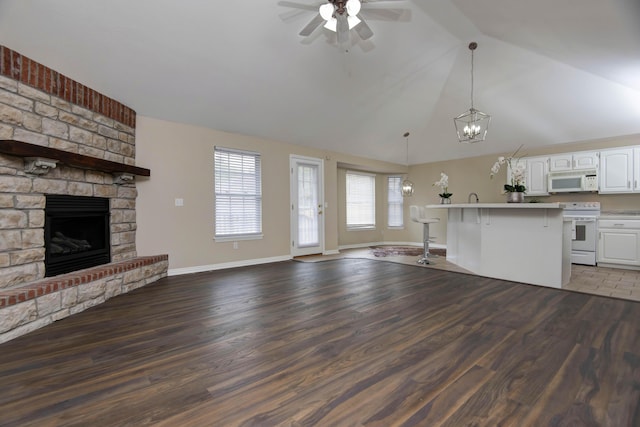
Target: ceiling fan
{"points": [[339, 16]]}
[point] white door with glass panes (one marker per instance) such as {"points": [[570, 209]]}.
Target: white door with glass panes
{"points": [[307, 206]]}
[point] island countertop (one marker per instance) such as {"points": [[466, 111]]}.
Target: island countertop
{"points": [[522, 242], [500, 206]]}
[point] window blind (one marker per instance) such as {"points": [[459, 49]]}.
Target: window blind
{"points": [[238, 193], [394, 202], [361, 200]]}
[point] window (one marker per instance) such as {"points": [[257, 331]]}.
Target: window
{"points": [[394, 202], [361, 201], [238, 188]]}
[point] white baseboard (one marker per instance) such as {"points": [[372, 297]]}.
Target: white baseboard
{"points": [[366, 245], [332, 252], [248, 262], [221, 266]]}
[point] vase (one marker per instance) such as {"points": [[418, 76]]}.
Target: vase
{"points": [[515, 197], [445, 200]]}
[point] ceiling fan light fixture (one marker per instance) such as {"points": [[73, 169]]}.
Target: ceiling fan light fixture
{"points": [[353, 21], [353, 7], [332, 24], [326, 11], [472, 125]]}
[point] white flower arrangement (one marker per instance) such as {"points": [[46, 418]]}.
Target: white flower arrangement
{"points": [[517, 172], [443, 183]]}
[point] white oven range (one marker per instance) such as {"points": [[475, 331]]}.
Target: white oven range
{"points": [[584, 230]]}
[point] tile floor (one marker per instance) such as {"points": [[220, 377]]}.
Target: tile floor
{"points": [[612, 282]]}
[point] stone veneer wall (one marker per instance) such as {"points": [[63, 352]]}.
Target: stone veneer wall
{"points": [[43, 107]]}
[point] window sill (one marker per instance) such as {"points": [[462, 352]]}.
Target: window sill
{"points": [[238, 237]]}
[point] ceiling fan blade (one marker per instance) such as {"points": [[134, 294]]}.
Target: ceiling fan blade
{"points": [[311, 26], [391, 15], [363, 30], [298, 5], [342, 28]]}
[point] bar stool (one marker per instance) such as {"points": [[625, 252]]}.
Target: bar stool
{"points": [[418, 215]]}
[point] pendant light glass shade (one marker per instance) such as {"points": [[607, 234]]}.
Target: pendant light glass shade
{"points": [[326, 11], [407, 186], [472, 125]]}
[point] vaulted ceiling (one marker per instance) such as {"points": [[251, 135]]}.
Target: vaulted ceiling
{"points": [[548, 71]]}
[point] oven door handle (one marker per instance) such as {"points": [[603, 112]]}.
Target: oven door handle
{"points": [[581, 219]]}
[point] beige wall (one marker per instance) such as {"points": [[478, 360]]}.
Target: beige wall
{"points": [[472, 175], [180, 157]]}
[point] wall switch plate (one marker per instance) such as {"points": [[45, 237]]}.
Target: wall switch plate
{"points": [[235, 245], [179, 202]]}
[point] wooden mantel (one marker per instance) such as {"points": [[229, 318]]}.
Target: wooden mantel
{"points": [[24, 149]]}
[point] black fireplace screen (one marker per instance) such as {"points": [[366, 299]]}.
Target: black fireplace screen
{"points": [[76, 233]]}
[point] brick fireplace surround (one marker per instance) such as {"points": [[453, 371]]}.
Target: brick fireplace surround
{"points": [[43, 107]]}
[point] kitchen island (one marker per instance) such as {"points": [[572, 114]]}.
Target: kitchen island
{"points": [[523, 242]]}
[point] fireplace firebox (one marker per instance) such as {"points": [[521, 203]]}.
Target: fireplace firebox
{"points": [[76, 233]]}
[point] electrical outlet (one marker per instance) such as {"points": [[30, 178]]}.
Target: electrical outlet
{"points": [[179, 202], [235, 245]]}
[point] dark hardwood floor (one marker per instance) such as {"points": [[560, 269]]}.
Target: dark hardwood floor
{"points": [[339, 343]]}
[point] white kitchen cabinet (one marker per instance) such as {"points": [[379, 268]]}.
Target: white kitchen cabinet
{"points": [[560, 162], [619, 242], [536, 176], [536, 171], [585, 160], [616, 170], [573, 161], [636, 169]]}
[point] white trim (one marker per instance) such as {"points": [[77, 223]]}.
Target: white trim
{"points": [[331, 252], [361, 173], [224, 265], [236, 150], [366, 245], [620, 266], [232, 238]]}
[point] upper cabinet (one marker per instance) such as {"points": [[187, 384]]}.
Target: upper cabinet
{"points": [[636, 169], [536, 177], [617, 170], [573, 161]]}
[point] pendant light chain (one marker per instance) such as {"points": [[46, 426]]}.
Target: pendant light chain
{"points": [[471, 79], [407, 150]]}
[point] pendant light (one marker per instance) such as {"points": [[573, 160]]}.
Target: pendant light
{"points": [[407, 186], [472, 125]]}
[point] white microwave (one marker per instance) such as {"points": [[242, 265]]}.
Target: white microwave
{"points": [[573, 181]]}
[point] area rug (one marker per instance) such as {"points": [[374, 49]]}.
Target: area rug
{"points": [[383, 251]]}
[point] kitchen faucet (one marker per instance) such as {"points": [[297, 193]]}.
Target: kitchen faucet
{"points": [[469, 198]]}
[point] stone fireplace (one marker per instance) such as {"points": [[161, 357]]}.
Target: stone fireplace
{"points": [[62, 141]]}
